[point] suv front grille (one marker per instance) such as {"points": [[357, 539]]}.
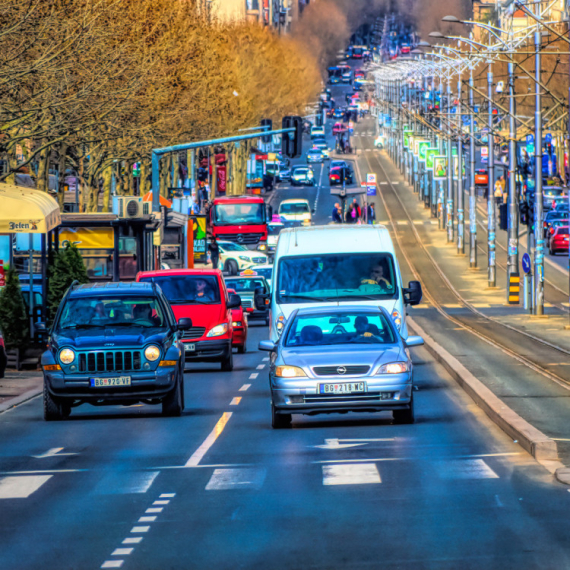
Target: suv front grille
{"points": [[259, 259], [194, 332], [333, 370], [110, 361]]}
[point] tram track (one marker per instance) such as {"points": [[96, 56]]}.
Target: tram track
{"points": [[537, 365]]}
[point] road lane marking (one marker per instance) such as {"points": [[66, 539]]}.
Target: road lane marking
{"points": [[154, 510], [53, 452], [138, 529], [466, 469], [361, 474], [260, 366], [248, 478], [235, 401], [21, 487], [167, 496], [129, 483], [266, 359], [378, 459], [254, 375], [244, 387], [132, 540], [198, 455], [112, 564], [161, 502], [146, 519], [122, 551]]}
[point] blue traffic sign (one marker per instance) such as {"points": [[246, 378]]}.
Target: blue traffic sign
{"points": [[548, 137], [526, 264], [529, 139]]}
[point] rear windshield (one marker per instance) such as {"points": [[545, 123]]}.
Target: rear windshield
{"points": [[340, 328], [300, 208], [245, 285], [103, 312], [342, 276], [189, 289]]}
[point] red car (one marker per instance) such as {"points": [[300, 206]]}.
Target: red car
{"points": [[338, 128], [481, 177], [359, 74], [559, 240], [240, 326], [201, 295]]}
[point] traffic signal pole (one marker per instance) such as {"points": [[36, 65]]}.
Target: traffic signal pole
{"points": [[491, 223], [513, 225], [157, 153]]}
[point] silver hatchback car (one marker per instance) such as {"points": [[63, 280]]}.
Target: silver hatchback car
{"points": [[340, 359]]}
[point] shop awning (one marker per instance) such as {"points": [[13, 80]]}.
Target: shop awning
{"points": [[23, 210]]}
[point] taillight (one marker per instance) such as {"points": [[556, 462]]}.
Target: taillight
{"points": [[551, 230]]}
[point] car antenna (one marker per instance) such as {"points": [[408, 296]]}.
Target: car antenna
{"points": [[74, 284]]}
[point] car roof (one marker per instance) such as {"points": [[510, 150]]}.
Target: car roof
{"points": [[119, 288], [301, 168], [295, 201], [331, 239], [233, 199], [319, 309], [266, 266]]}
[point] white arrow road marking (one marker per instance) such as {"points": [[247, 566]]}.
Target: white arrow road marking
{"points": [[52, 453], [335, 444], [245, 478]]}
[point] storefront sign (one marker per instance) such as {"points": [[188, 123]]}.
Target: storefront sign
{"points": [[439, 167], [200, 241], [87, 238], [222, 178]]}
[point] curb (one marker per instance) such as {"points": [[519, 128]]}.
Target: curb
{"points": [[532, 440], [13, 402]]}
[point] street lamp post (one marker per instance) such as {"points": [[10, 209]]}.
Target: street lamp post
{"points": [[472, 195], [460, 213], [492, 274], [449, 204], [513, 225]]}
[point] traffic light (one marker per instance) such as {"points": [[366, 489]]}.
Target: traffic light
{"points": [[292, 143], [524, 211], [503, 217], [269, 124]]}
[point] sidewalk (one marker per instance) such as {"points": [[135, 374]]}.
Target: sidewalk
{"points": [[17, 387]]}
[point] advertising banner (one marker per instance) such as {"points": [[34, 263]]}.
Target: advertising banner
{"points": [[200, 242], [422, 150], [222, 178], [431, 153], [439, 167], [87, 238]]}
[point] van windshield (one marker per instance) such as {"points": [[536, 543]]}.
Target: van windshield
{"points": [[189, 289], [232, 213], [336, 277]]}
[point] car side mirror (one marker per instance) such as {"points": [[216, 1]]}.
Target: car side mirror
{"points": [[261, 298], [412, 341], [40, 327], [413, 294], [234, 302], [267, 345], [184, 324]]}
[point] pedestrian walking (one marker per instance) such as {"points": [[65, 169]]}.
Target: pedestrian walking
{"points": [[337, 214], [498, 192], [214, 250], [357, 209], [351, 215], [371, 214]]}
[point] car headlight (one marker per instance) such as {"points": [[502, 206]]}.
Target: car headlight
{"points": [[280, 324], [262, 247], [67, 356], [152, 353], [244, 258], [236, 323], [397, 318], [218, 330], [394, 368], [290, 372]]}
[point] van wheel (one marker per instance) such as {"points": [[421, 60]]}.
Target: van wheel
{"points": [[228, 363], [232, 267], [173, 404], [279, 421], [405, 416], [53, 408]]}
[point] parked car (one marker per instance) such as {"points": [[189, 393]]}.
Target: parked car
{"points": [[235, 257], [200, 295], [3, 356], [114, 343], [240, 326], [245, 285]]}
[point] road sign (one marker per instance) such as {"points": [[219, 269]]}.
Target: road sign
{"points": [[529, 139], [484, 154], [371, 178], [371, 190], [526, 264], [548, 137]]}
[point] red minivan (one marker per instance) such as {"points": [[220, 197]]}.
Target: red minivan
{"points": [[201, 295]]}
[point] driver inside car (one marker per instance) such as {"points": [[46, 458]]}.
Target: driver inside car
{"points": [[377, 277], [144, 312], [362, 327]]}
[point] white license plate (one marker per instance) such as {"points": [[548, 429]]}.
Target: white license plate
{"points": [[109, 382], [189, 347], [343, 388]]}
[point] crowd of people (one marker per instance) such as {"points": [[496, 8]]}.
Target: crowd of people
{"points": [[354, 214]]}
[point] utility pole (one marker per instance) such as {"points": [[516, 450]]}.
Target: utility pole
{"points": [[460, 213], [492, 274], [513, 225], [449, 205], [538, 232], [472, 195]]}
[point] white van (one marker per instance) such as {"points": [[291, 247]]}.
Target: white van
{"points": [[340, 265], [295, 210]]}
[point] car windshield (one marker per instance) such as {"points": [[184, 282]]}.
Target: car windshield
{"points": [[231, 214], [245, 284], [300, 171], [264, 271], [562, 230], [550, 192], [274, 229], [300, 208], [101, 312], [340, 328], [344, 276], [229, 246], [188, 289]]}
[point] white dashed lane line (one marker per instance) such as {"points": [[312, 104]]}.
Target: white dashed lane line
{"points": [[235, 401], [245, 387], [254, 375], [260, 366], [209, 441]]}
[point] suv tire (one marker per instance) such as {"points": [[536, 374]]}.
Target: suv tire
{"points": [[53, 408], [232, 267], [173, 403], [228, 362], [279, 421]]}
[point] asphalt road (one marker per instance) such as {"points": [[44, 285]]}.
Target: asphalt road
{"points": [[123, 487]]}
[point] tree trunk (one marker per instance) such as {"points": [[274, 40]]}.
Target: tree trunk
{"points": [[175, 170], [107, 183], [164, 175], [61, 174], [42, 182]]}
